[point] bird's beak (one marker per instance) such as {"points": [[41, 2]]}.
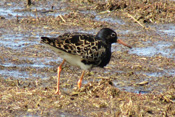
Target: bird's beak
{"points": [[121, 42]]}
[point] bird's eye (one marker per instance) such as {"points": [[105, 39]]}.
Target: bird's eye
{"points": [[113, 35]]}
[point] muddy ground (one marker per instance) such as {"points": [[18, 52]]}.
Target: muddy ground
{"points": [[136, 82]]}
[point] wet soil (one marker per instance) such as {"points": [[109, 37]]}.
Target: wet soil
{"points": [[137, 82]]}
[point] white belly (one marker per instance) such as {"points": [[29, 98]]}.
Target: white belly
{"points": [[72, 59]]}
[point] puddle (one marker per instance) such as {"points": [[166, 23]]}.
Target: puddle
{"points": [[21, 11], [153, 74], [142, 92], [19, 74], [164, 48], [34, 65], [159, 48], [16, 41], [109, 19], [170, 72], [104, 17], [128, 31], [38, 64], [59, 114], [10, 13], [134, 89], [168, 29]]}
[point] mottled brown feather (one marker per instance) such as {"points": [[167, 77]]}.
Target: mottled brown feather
{"points": [[88, 47]]}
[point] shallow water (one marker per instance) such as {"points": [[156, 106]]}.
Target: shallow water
{"points": [[159, 48], [168, 29]]}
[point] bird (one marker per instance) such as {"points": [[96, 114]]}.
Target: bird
{"points": [[83, 50]]}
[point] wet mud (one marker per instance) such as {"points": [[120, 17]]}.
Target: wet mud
{"points": [[137, 82]]}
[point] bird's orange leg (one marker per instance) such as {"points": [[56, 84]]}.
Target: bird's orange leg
{"points": [[80, 80], [58, 75]]}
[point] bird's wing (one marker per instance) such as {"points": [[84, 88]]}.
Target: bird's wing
{"points": [[90, 49]]}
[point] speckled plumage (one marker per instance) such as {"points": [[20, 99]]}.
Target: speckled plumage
{"points": [[84, 50], [92, 49]]}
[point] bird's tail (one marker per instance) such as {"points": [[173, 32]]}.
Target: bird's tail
{"points": [[49, 41], [46, 40]]}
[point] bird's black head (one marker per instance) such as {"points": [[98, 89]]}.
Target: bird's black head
{"points": [[110, 36], [107, 35]]}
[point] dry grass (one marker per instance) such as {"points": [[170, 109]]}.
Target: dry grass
{"points": [[36, 96], [144, 11], [94, 99]]}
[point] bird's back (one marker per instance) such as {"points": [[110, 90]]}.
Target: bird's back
{"points": [[91, 50]]}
